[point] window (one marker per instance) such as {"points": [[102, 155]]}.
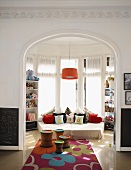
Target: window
{"points": [[46, 70], [68, 92], [92, 93], [46, 94], [92, 83], [29, 63]]}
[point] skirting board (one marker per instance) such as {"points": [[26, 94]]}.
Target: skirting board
{"points": [[125, 149], [9, 147]]}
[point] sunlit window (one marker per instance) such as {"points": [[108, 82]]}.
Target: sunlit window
{"points": [[46, 94], [92, 84], [68, 92], [92, 94], [29, 63], [47, 72]]}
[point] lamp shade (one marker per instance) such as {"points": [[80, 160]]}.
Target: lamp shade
{"points": [[69, 73]]}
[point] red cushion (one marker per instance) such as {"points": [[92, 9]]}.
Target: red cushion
{"points": [[91, 115], [96, 119], [48, 119]]}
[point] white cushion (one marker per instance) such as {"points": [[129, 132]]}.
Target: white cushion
{"points": [[50, 111], [59, 110], [78, 110]]}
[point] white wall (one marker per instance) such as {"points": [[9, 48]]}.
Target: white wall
{"points": [[15, 34]]}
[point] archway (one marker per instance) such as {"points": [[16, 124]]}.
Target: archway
{"points": [[57, 34]]}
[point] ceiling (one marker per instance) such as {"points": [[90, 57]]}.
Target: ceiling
{"points": [[72, 41]]}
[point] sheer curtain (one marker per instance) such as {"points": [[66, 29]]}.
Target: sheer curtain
{"points": [[68, 93], [46, 71], [92, 86], [29, 62]]}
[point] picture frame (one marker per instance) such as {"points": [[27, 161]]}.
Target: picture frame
{"points": [[128, 97], [127, 81]]}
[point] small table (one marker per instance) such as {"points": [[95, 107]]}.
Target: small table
{"points": [[58, 133], [59, 146], [46, 138], [66, 140]]}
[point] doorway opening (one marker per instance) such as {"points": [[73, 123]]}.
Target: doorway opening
{"points": [[59, 44]]}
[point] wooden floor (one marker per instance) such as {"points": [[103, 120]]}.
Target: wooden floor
{"points": [[14, 160]]}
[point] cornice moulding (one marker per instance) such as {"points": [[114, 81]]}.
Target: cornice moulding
{"points": [[65, 3], [65, 13]]}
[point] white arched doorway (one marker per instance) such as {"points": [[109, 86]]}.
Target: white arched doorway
{"points": [[58, 34]]}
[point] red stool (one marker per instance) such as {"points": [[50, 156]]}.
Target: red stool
{"points": [[46, 138], [66, 140]]}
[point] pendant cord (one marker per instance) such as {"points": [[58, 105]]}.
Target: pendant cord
{"points": [[69, 49]]}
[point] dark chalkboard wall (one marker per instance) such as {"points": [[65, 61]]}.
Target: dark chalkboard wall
{"points": [[9, 126], [125, 127]]}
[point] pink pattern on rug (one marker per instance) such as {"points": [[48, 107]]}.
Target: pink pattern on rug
{"points": [[81, 152]]}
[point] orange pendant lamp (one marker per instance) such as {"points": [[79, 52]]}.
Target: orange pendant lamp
{"points": [[69, 73]]}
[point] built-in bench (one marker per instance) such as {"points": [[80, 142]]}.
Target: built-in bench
{"points": [[76, 131]]}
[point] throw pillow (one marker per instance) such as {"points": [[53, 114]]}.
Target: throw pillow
{"points": [[78, 110], [87, 112], [59, 119], [67, 111], [69, 118], [79, 119], [59, 110], [49, 112], [48, 119], [80, 114], [91, 117], [64, 116], [96, 119]]}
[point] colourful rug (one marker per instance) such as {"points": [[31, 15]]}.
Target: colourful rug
{"points": [[79, 156]]}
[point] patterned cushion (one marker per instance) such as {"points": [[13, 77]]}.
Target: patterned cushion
{"points": [[81, 114], [59, 119], [69, 118], [64, 116], [79, 119]]}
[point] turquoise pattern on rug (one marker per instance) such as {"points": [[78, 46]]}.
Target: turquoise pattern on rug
{"points": [[80, 156]]}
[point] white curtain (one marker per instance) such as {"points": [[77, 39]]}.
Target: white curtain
{"points": [[46, 94], [29, 62], [68, 93], [46, 71], [46, 66], [93, 84], [93, 65]]}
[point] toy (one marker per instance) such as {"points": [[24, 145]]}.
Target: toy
{"points": [[32, 104], [36, 78], [30, 75], [29, 85]]}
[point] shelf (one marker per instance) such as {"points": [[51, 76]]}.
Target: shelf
{"points": [[32, 81], [31, 107], [32, 99], [31, 125], [32, 103], [31, 89]]}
